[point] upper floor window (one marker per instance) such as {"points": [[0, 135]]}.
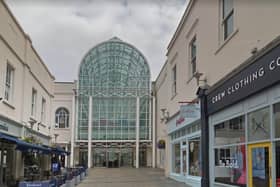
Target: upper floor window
{"points": [[33, 102], [62, 118], [43, 110], [227, 22], [9, 82], [174, 74], [193, 55]]}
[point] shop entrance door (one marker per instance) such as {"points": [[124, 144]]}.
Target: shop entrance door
{"points": [[184, 162], [259, 165]]}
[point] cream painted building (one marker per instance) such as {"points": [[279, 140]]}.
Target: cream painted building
{"points": [[26, 93], [212, 39]]}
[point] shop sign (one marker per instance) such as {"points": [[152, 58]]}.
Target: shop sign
{"points": [[4, 127], [191, 110], [261, 74]]}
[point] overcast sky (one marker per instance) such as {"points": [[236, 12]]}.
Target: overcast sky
{"points": [[63, 31]]}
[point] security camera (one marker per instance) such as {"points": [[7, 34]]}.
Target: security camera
{"points": [[56, 125]]}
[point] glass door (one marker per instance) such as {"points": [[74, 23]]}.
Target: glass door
{"points": [[184, 162], [260, 165]]}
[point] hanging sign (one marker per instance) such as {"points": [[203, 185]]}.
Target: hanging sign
{"points": [[190, 110]]}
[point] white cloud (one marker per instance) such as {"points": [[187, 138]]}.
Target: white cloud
{"points": [[63, 31]]}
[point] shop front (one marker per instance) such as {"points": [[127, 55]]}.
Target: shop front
{"points": [[185, 157], [244, 124]]}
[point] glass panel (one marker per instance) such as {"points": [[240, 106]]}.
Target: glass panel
{"points": [[184, 162], [260, 166], [259, 125], [227, 7], [228, 26], [230, 165], [176, 158], [230, 132], [277, 152], [276, 116], [194, 157]]}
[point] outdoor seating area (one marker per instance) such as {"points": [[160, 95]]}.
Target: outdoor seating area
{"points": [[67, 177]]}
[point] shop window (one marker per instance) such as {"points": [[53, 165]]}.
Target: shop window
{"points": [[230, 165], [62, 118], [176, 158], [277, 152], [194, 157], [230, 132], [259, 125], [276, 116]]}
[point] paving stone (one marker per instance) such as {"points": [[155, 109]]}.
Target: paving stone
{"points": [[128, 177]]}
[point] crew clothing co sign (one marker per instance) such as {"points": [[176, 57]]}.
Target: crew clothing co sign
{"points": [[262, 73]]}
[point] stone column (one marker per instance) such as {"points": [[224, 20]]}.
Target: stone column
{"points": [[137, 132], [66, 156], [89, 130], [154, 132], [73, 131]]}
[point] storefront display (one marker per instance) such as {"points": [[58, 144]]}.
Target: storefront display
{"points": [[194, 157], [244, 121], [177, 158]]}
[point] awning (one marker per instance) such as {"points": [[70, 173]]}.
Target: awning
{"points": [[24, 146], [60, 151]]}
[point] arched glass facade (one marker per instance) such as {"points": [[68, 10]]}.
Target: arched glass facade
{"points": [[114, 73]]}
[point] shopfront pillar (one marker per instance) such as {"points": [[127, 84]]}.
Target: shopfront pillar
{"points": [[89, 131], [66, 156], [205, 181], [72, 131], [137, 132], [154, 131]]}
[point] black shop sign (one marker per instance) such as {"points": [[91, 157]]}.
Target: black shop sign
{"points": [[261, 74]]}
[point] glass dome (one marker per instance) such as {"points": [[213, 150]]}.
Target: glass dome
{"points": [[114, 73]]}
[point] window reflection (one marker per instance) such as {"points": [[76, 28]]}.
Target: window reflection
{"points": [[177, 158], [259, 125], [230, 132], [230, 165]]}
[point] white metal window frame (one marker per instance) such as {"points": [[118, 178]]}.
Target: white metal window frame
{"points": [[9, 82], [33, 102], [270, 103]]}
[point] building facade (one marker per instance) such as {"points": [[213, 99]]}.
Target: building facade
{"points": [[26, 92], [110, 111], [211, 40]]}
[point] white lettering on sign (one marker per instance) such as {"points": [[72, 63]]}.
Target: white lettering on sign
{"points": [[246, 81]]}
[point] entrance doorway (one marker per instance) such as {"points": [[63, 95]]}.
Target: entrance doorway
{"points": [[260, 165], [113, 157]]}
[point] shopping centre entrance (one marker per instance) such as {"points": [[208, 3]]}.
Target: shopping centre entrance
{"points": [[114, 155]]}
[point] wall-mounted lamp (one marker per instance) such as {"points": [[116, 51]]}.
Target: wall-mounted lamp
{"points": [[32, 123], [55, 137], [200, 79], [165, 115]]}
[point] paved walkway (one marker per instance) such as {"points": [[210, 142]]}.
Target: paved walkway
{"points": [[128, 177]]}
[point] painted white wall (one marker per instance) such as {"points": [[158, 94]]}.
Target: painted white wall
{"points": [[254, 26]]}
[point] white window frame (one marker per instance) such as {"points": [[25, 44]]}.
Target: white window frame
{"points": [[33, 102], [43, 110], [225, 18], [66, 117], [174, 80], [9, 83], [193, 59]]}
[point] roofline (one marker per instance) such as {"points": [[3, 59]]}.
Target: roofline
{"points": [[250, 60], [26, 37], [64, 82], [160, 71], [180, 25]]}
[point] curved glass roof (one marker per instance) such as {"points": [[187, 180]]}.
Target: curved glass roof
{"points": [[114, 68], [114, 73]]}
